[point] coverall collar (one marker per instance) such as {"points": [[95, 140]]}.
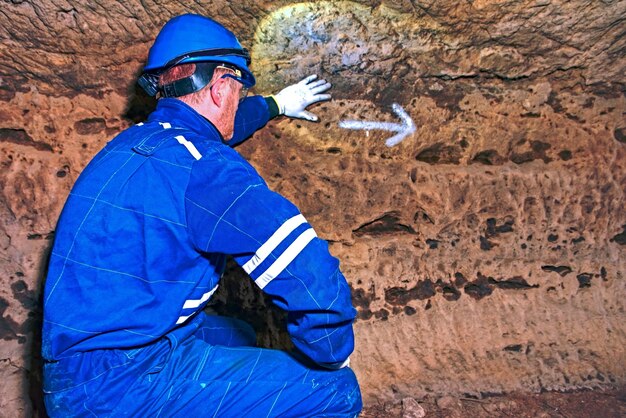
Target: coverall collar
{"points": [[180, 114]]}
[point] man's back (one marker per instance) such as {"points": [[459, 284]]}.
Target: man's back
{"points": [[121, 268]]}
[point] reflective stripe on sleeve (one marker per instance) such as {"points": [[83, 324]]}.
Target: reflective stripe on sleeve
{"points": [[285, 258], [273, 242], [190, 147], [194, 303]]}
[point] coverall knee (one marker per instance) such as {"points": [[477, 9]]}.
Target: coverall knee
{"points": [[185, 376]]}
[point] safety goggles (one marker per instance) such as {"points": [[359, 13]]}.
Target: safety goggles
{"points": [[237, 76]]}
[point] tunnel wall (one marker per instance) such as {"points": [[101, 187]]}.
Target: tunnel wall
{"points": [[486, 250]]}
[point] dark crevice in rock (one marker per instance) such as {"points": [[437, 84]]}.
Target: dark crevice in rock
{"points": [[90, 126], [440, 154], [494, 229], [620, 134], [517, 348], [575, 118], [362, 298], [401, 296], [487, 157], [555, 103], [422, 216], [584, 280], [449, 77], [565, 155], [389, 223], [38, 236], [621, 237], [459, 279], [20, 137], [537, 152], [485, 244], [562, 270], [483, 285], [382, 314], [449, 291], [516, 283], [478, 289], [448, 98], [432, 244]]}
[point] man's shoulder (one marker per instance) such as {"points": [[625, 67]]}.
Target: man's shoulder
{"points": [[220, 158], [166, 138]]}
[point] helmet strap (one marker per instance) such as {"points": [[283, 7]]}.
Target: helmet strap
{"points": [[195, 82]]}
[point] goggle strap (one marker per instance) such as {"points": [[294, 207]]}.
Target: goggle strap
{"points": [[150, 83]]}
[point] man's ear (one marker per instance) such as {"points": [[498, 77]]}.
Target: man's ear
{"points": [[218, 95]]}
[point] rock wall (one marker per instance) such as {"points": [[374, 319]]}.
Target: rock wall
{"points": [[486, 250]]}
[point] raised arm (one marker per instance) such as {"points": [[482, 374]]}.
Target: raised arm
{"points": [[278, 248], [292, 101]]}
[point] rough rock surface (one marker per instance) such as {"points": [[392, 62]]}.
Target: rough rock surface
{"points": [[486, 251]]}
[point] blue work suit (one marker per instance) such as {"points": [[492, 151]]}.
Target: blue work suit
{"points": [[139, 249]]}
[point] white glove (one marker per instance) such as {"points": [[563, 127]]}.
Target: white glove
{"points": [[293, 100]]}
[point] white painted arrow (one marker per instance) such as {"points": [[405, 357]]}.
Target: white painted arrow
{"points": [[405, 128]]}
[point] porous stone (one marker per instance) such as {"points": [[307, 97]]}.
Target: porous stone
{"points": [[485, 251], [412, 409]]}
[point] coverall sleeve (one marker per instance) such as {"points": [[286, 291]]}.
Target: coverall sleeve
{"points": [[252, 114], [231, 210]]}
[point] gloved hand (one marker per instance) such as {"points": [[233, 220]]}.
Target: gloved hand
{"points": [[293, 100]]}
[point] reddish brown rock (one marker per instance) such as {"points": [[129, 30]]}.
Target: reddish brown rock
{"points": [[485, 251]]}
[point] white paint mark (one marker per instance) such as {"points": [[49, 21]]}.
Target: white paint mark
{"points": [[403, 129]]}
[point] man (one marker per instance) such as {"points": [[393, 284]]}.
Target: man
{"points": [[142, 242]]}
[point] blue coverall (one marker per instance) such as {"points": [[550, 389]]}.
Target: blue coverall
{"points": [[140, 248]]}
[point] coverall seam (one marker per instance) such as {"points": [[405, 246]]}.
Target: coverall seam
{"points": [[224, 214], [85, 403], [127, 209], [254, 366], [89, 380], [222, 400], [224, 159], [202, 362], [276, 400], [224, 221], [120, 272], [69, 251]]}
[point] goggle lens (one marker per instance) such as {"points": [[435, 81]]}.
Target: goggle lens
{"points": [[243, 93]]}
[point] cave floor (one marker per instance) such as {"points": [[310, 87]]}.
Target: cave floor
{"points": [[579, 404]]}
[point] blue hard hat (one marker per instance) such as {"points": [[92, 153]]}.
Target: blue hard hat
{"points": [[194, 38]]}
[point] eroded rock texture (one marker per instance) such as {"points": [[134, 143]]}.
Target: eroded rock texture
{"points": [[486, 251]]}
